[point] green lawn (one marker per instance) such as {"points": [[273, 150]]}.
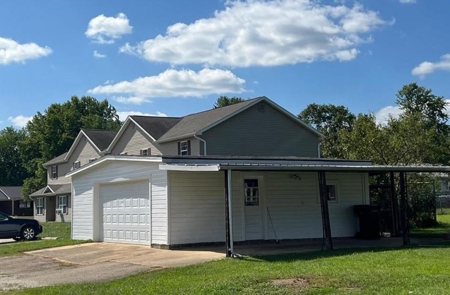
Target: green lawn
{"points": [[51, 229], [361, 271], [440, 230]]}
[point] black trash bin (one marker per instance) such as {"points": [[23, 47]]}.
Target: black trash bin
{"points": [[369, 221]]}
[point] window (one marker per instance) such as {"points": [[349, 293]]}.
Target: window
{"points": [[40, 206], [92, 160], [331, 192], [184, 148], [24, 204], [76, 165], [251, 191], [62, 204], [54, 171], [146, 152]]}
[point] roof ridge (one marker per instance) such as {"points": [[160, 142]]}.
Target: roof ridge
{"points": [[162, 117], [246, 100], [85, 129]]}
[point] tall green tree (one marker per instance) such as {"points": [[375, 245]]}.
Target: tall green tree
{"points": [[12, 171], [328, 119], [224, 101], [51, 133]]}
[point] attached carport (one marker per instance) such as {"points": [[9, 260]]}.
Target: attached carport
{"points": [[233, 164]]}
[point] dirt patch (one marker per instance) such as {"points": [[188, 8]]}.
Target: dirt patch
{"points": [[298, 283]]}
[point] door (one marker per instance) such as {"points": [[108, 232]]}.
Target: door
{"points": [[254, 208], [126, 212]]}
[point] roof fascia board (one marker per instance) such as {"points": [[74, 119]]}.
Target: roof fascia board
{"points": [[122, 130], [176, 138], [198, 168], [114, 158], [5, 194], [50, 188]]}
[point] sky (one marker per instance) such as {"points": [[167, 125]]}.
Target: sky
{"points": [[175, 57]]}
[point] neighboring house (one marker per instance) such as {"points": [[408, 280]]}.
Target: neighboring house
{"points": [[164, 182], [11, 202], [53, 202]]}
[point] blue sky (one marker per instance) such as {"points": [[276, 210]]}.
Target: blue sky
{"points": [[174, 57]]}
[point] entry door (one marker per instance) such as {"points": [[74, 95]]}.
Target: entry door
{"points": [[254, 203]]}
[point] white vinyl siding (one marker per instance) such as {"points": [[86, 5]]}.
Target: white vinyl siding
{"points": [[197, 205], [133, 140], [86, 222]]}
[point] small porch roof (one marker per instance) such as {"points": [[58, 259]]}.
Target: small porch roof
{"points": [[52, 190]]}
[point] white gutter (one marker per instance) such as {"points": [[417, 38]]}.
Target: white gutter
{"points": [[204, 144]]}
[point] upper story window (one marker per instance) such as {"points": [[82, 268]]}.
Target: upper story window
{"points": [[184, 148], [146, 152], [92, 160], [76, 165], [54, 171]]}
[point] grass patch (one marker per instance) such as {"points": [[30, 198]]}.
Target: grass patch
{"points": [[442, 228], [360, 271], [51, 229]]}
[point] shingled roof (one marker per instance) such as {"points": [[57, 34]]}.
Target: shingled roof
{"points": [[58, 189], [10, 193], [101, 138], [191, 124], [156, 126]]}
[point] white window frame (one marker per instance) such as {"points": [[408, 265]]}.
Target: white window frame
{"points": [[336, 185], [39, 206], [184, 152], [63, 205], [252, 192], [145, 152], [76, 164], [54, 171]]}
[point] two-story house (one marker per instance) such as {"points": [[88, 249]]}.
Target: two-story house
{"points": [[53, 202], [249, 171]]}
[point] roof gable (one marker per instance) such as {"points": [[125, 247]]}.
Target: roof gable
{"points": [[156, 126]]}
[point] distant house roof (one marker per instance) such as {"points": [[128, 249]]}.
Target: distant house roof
{"points": [[101, 138], [10, 193], [156, 126], [52, 190], [193, 123]]}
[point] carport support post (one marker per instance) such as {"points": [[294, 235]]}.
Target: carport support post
{"points": [[227, 217], [404, 210], [394, 206], [325, 213]]}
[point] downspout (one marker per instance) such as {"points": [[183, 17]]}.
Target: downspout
{"points": [[204, 143]]}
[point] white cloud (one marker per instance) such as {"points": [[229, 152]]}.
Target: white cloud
{"points": [[20, 121], [11, 51], [265, 33], [173, 83], [123, 115], [427, 67], [105, 30], [98, 54], [408, 1], [383, 115]]}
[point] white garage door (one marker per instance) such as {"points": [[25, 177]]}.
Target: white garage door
{"points": [[126, 212]]}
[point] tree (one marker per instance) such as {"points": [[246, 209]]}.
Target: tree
{"points": [[224, 101], [416, 100], [11, 166], [52, 133], [328, 119]]}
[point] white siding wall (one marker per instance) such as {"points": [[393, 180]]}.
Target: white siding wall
{"points": [[197, 205], [83, 225]]}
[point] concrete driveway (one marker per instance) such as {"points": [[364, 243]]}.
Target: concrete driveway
{"points": [[91, 262]]}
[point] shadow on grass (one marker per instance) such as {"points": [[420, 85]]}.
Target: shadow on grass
{"points": [[320, 254], [438, 231]]}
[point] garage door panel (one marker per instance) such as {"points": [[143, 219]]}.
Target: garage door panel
{"points": [[126, 212]]}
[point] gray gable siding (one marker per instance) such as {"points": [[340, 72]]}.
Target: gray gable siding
{"points": [[171, 148], [261, 133], [133, 140], [83, 152]]}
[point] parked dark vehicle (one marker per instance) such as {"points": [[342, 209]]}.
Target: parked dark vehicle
{"points": [[18, 228]]}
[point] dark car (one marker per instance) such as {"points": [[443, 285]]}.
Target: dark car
{"points": [[18, 228]]}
